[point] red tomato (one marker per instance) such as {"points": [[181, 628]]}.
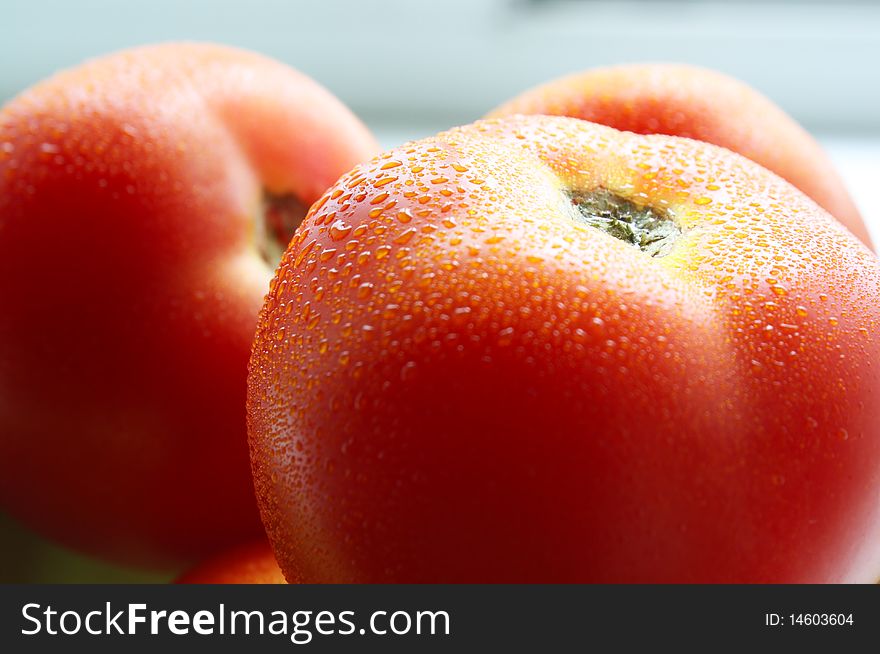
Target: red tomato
{"points": [[134, 255], [542, 350], [253, 563]]}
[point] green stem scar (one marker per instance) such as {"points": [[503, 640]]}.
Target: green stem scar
{"points": [[280, 216], [651, 229]]}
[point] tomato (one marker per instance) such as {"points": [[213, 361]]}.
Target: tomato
{"points": [[537, 349], [144, 200], [252, 563]]}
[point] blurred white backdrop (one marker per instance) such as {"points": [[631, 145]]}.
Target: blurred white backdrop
{"points": [[411, 68]]}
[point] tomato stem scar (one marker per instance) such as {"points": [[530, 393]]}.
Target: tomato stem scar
{"points": [[652, 230], [279, 217]]}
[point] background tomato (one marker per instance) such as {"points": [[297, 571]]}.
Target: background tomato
{"points": [[253, 563], [144, 199]]}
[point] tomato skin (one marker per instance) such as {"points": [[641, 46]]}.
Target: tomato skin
{"points": [[252, 563], [459, 382], [130, 283], [703, 104]]}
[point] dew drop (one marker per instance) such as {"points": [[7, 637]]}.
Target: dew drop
{"points": [[384, 182], [339, 230], [365, 290], [408, 371], [405, 237], [382, 251]]}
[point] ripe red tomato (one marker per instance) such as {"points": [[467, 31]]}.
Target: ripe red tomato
{"points": [[143, 199], [253, 563], [538, 349]]}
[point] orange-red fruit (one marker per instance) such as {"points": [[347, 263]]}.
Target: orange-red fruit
{"points": [[455, 378], [253, 563], [130, 281], [702, 104]]}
